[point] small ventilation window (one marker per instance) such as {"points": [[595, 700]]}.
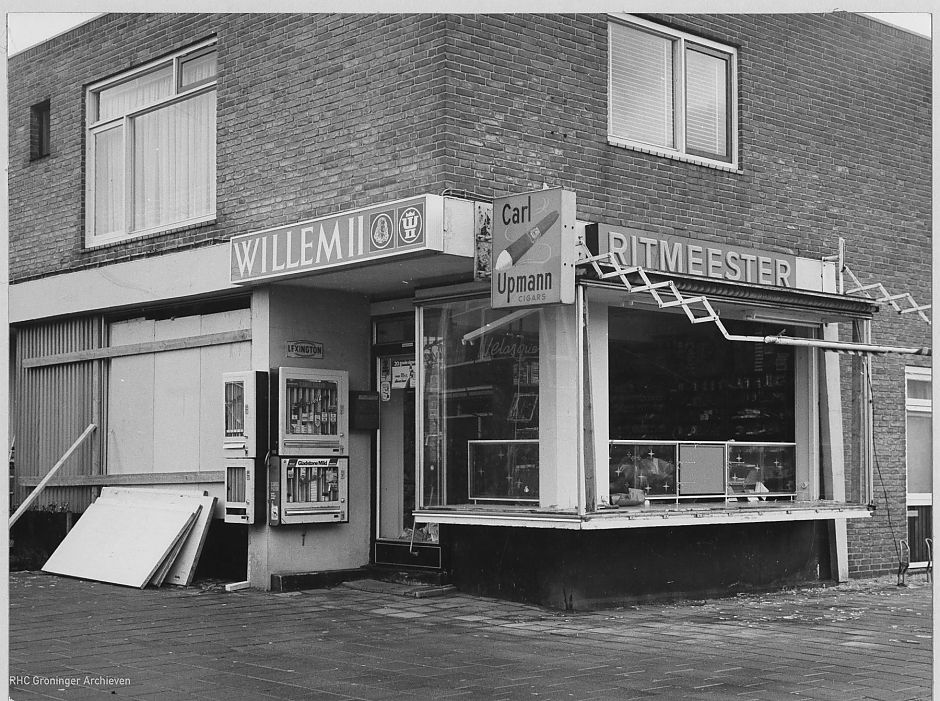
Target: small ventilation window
{"points": [[39, 130]]}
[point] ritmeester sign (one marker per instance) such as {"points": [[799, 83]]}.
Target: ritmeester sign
{"points": [[677, 254], [376, 232], [534, 250]]}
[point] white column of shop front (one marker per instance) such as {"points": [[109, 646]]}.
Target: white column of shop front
{"points": [[599, 400], [559, 409], [258, 575], [832, 452]]}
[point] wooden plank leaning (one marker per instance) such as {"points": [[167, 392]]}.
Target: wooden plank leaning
{"points": [[55, 468]]}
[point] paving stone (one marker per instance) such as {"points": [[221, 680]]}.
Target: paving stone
{"points": [[864, 639]]}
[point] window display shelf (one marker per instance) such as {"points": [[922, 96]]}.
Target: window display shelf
{"points": [[675, 471], [503, 470]]}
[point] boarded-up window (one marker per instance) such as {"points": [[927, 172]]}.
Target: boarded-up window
{"points": [[165, 407]]}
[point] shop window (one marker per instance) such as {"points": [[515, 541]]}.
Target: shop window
{"points": [[919, 435], [151, 144], [480, 404], [671, 93], [695, 417], [39, 130], [919, 406]]}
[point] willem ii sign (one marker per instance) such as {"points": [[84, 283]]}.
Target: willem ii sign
{"points": [[390, 229], [534, 250]]}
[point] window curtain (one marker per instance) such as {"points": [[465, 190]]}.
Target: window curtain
{"points": [[706, 103], [641, 90], [174, 162], [919, 452], [198, 69], [133, 94], [109, 180]]}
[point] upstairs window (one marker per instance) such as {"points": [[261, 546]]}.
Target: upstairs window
{"points": [[151, 162], [39, 131], [671, 93]]}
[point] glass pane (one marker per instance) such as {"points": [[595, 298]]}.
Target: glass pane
{"points": [[109, 181], [133, 94], [197, 69], [761, 469], [234, 409], [918, 389], [395, 330], [919, 451], [312, 407], [174, 162], [504, 470], [706, 103], [235, 484], [641, 86], [670, 380], [479, 386], [649, 467], [310, 484]]}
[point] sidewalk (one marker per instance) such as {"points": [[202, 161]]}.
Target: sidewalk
{"points": [[71, 639]]}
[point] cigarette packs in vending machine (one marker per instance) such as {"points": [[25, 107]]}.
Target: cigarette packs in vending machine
{"points": [[311, 490], [308, 475], [245, 445]]}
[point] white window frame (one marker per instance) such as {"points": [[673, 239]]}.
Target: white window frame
{"points": [[126, 121], [916, 406], [681, 40]]}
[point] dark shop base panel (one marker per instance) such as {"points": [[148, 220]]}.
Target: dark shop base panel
{"points": [[582, 570]]}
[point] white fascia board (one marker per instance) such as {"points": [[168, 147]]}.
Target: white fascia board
{"points": [[187, 274], [645, 518]]}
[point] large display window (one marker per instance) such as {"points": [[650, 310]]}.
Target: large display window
{"points": [[694, 417], [567, 414], [480, 404]]}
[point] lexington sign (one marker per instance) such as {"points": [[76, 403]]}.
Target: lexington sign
{"points": [[390, 229]]}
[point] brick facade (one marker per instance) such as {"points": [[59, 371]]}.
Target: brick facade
{"points": [[323, 113]]}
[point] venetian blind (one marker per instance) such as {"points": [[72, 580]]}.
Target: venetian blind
{"points": [[706, 103], [641, 86]]}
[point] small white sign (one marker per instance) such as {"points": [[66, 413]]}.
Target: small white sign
{"points": [[403, 374]]}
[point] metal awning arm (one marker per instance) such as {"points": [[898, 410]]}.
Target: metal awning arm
{"points": [[657, 290]]}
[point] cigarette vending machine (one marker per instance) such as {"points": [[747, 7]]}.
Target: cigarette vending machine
{"points": [[245, 445], [308, 469]]}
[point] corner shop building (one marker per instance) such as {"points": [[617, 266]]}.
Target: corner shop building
{"points": [[529, 438]]}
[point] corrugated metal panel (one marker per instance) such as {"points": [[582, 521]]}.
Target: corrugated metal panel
{"points": [[52, 406]]}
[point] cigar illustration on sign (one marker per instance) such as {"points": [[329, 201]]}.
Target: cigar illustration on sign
{"points": [[522, 245]]}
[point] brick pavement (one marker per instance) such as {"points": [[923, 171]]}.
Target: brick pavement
{"points": [[72, 639]]}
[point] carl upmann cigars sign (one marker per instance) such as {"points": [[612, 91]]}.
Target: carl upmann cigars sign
{"points": [[533, 249]]}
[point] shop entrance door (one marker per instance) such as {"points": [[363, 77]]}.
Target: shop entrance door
{"points": [[396, 475], [396, 542]]}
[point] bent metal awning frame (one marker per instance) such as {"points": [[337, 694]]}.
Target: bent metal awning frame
{"points": [[700, 310]]}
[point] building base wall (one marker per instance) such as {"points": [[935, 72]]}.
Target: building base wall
{"points": [[578, 570]]}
